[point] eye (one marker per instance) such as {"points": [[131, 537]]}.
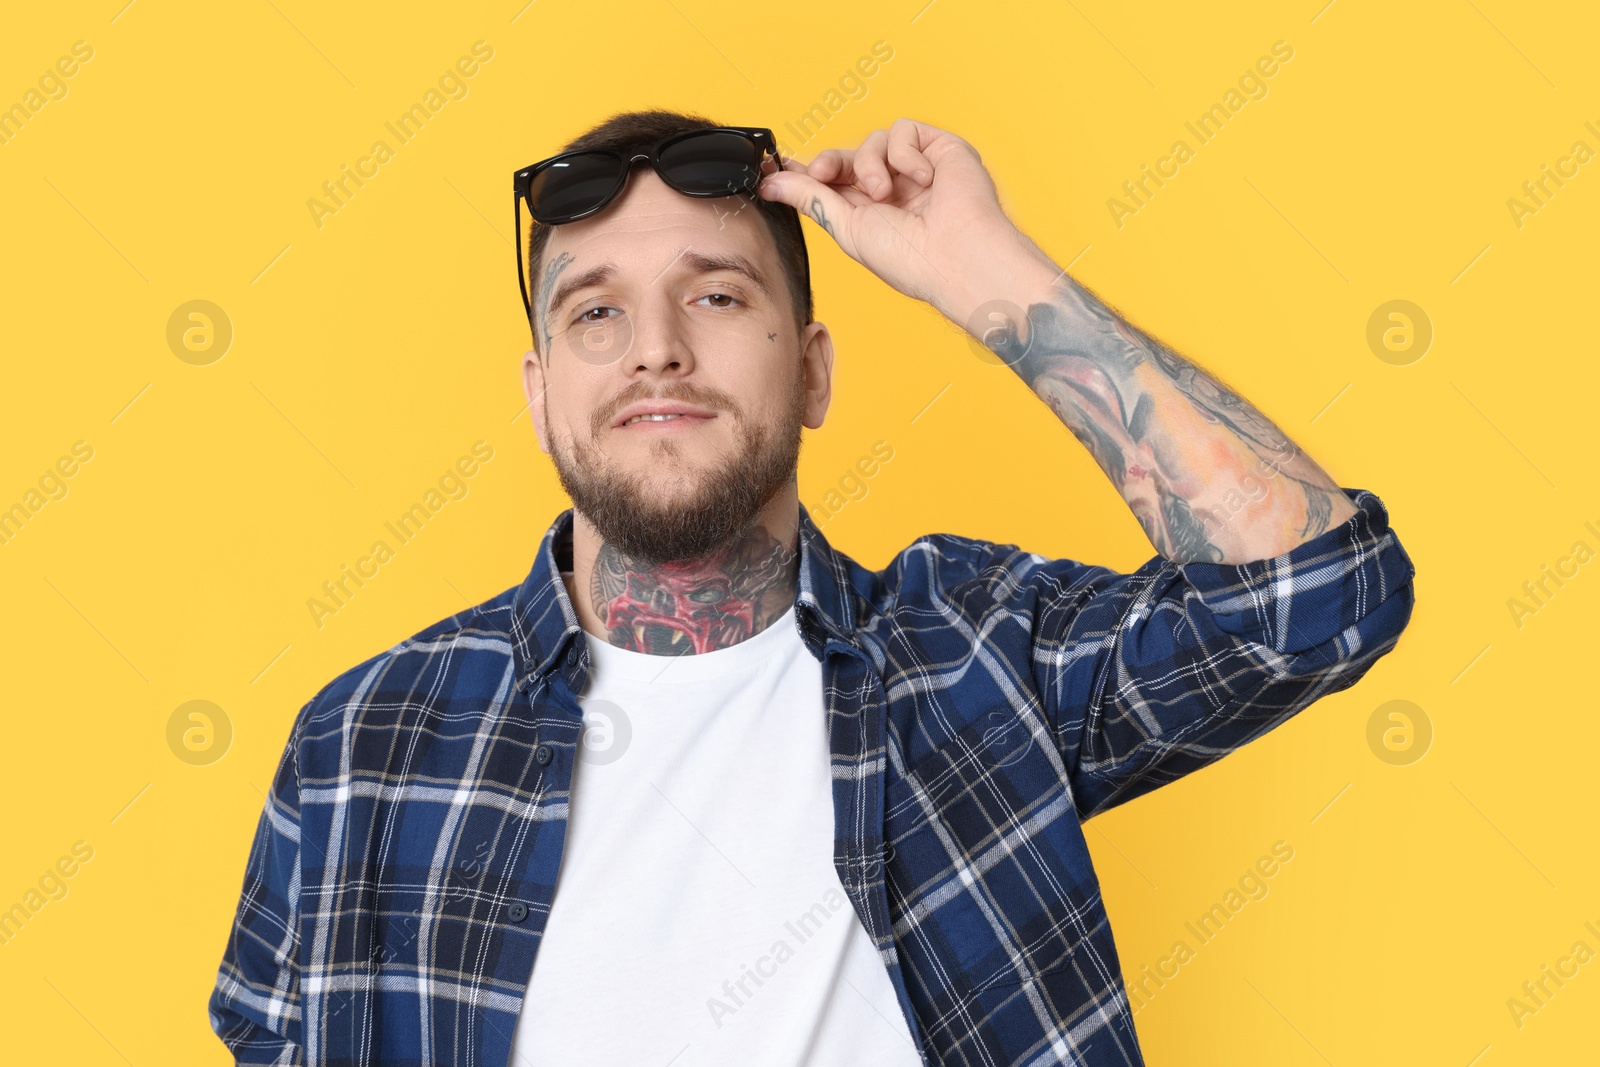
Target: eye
{"points": [[584, 316], [729, 297]]}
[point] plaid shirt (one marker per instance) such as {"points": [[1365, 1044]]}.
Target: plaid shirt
{"points": [[981, 703]]}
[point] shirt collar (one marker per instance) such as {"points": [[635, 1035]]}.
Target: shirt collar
{"points": [[824, 595], [546, 634]]}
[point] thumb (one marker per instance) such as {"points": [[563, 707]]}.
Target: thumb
{"points": [[816, 200]]}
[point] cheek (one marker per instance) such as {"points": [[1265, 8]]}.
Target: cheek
{"points": [[566, 417], [774, 393]]}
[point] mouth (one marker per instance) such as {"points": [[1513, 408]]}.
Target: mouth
{"points": [[660, 415], [660, 639], [657, 425]]}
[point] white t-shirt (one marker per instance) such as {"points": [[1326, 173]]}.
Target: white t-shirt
{"points": [[698, 919]]}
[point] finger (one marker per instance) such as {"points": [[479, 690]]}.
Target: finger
{"points": [[789, 163], [818, 201], [834, 166], [872, 167], [852, 196], [905, 151]]}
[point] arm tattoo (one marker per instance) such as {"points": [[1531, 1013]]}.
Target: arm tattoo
{"points": [[1187, 453]]}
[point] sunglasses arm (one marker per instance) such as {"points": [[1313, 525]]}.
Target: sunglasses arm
{"points": [[522, 281]]}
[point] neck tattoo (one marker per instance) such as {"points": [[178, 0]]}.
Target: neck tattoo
{"points": [[687, 607]]}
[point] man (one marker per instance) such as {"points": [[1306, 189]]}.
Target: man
{"points": [[701, 789]]}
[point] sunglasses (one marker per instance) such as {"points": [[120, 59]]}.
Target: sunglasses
{"points": [[717, 161]]}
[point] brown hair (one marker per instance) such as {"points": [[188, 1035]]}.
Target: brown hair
{"points": [[629, 128]]}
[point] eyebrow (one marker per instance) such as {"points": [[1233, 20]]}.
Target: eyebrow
{"points": [[733, 262], [587, 279], [697, 263]]}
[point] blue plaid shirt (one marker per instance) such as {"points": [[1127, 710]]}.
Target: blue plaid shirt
{"points": [[981, 703]]}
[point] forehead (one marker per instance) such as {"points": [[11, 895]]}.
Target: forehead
{"points": [[649, 223]]}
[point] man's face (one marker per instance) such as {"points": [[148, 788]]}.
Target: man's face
{"points": [[676, 309]]}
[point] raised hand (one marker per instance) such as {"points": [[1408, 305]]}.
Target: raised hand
{"points": [[914, 205]]}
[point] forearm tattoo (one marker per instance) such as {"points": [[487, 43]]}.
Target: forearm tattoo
{"points": [[1190, 456]]}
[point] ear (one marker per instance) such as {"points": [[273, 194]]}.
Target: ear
{"points": [[816, 369], [533, 386]]}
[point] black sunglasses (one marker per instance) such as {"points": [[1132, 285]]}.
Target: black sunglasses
{"points": [[717, 161]]}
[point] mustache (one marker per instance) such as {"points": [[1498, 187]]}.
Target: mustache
{"points": [[701, 396]]}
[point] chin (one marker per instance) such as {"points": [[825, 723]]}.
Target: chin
{"points": [[671, 466], [664, 491]]}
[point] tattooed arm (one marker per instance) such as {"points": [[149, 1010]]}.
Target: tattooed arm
{"points": [[1209, 477]]}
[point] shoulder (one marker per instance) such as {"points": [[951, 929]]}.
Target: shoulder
{"points": [[975, 571], [946, 595], [461, 662]]}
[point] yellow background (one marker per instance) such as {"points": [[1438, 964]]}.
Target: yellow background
{"points": [[370, 353]]}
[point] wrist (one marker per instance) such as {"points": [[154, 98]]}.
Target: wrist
{"points": [[1008, 273]]}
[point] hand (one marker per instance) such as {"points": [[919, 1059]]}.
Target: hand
{"points": [[915, 206]]}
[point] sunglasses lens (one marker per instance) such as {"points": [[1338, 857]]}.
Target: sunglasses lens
{"points": [[573, 185], [710, 163]]}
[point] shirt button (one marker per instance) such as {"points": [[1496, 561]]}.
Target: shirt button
{"points": [[541, 755], [517, 911]]}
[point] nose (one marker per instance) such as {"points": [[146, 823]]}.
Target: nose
{"points": [[660, 346]]}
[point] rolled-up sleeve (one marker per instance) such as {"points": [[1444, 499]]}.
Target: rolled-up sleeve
{"points": [[1146, 677], [255, 1005]]}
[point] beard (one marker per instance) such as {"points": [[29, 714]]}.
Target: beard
{"points": [[713, 509]]}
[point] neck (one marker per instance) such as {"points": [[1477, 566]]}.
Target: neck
{"points": [[687, 607]]}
